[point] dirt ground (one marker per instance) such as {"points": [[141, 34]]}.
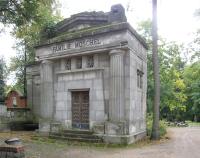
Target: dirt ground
{"points": [[183, 143]]}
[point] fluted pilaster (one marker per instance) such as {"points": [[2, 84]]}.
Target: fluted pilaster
{"points": [[46, 72], [116, 107]]}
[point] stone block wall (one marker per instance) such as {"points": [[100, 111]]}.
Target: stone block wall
{"points": [[137, 105], [3, 110], [95, 80], [33, 88]]}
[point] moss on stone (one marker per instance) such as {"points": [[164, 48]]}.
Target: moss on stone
{"points": [[79, 33]]}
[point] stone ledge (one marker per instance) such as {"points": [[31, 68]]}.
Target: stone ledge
{"points": [[94, 31], [78, 70]]}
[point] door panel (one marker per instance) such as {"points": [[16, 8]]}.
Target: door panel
{"points": [[80, 110]]}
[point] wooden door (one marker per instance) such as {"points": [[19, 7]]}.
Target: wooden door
{"points": [[80, 109]]}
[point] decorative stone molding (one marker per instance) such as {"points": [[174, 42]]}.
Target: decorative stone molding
{"points": [[46, 71]]}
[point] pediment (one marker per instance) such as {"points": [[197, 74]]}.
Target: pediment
{"points": [[90, 19], [81, 21]]}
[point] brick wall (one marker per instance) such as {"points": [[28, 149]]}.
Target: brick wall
{"points": [[20, 100], [9, 151]]}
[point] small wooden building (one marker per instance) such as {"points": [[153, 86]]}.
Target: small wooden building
{"points": [[15, 99]]}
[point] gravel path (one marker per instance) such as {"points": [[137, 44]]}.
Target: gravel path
{"points": [[183, 143]]}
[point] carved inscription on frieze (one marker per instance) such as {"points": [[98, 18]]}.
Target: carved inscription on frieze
{"points": [[76, 44]]}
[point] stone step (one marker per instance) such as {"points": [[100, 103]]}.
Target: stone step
{"points": [[91, 140], [78, 131], [78, 135]]}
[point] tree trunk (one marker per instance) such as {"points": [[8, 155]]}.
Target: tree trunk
{"points": [[155, 127], [25, 62], [195, 118]]}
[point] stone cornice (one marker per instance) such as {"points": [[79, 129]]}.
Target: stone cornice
{"points": [[93, 31], [98, 49]]}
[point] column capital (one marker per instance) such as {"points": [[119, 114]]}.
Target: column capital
{"points": [[47, 62], [117, 51]]}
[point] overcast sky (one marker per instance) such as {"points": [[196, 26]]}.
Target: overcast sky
{"points": [[176, 19]]}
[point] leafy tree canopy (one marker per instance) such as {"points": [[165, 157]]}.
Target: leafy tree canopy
{"points": [[192, 81], [31, 19], [173, 96], [23, 11]]}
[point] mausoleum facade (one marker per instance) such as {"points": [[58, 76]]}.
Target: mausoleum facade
{"points": [[92, 75]]}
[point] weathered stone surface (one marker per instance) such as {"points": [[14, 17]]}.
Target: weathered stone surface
{"points": [[117, 14], [47, 101], [44, 126], [116, 110], [99, 128], [56, 127], [115, 128], [105, 53]]}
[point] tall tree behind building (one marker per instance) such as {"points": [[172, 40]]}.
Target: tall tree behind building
{"points": [[155, 128], [2, 79]]}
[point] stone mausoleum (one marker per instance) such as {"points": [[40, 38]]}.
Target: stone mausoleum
{"points": [[91, 75]]}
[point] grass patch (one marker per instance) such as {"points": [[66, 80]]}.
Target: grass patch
{"points": [[193, 124], [163, 126], [98, 146], [33, 137]]}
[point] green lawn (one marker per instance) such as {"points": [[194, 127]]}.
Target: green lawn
{"points": [[190, 123]]}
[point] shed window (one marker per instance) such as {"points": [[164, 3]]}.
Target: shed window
{"points": [[14, 102]]}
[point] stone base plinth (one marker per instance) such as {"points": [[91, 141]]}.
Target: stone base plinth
{"points": [[99, 129], [115, 128], [124, 139], [44, 127]]}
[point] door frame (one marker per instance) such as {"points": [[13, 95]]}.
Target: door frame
{"points": [[81, 90]]}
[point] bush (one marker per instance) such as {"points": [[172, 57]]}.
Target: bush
{"points": [[163, 127]]}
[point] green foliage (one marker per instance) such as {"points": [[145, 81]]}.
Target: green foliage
{"points": [[163, 127], [32, 20], [194, 48], [173, 96], [193, 124], [192, 81], [144, 28], [180, 83], [21, 12], [49, 30], [172, 85]]}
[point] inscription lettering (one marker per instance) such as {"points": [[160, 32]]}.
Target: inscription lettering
{"points": [[87, 42], [76, 44]]}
